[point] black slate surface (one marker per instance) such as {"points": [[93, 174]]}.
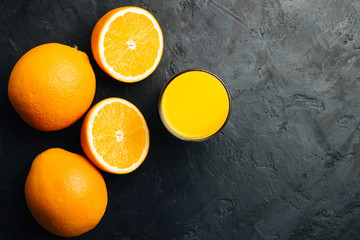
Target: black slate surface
{"points": [[287, 164]]}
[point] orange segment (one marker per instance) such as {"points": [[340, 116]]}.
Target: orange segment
{"points": [[127, 43], [115, 136]]}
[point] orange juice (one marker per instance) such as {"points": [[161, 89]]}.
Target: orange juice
{"points": [[194, 105]]}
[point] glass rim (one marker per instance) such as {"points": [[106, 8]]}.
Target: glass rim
{"points": [[162, 93]]}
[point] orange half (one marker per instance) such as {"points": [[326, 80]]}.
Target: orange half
{"points": [[115, 136], [127, 43]]}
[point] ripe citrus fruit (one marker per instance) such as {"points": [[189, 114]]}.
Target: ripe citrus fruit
{"points": [[52, 86], [65, 193], [127, 43], [115, 136]]}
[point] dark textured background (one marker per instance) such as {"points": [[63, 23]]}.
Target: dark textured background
{"points": [[286, 166]]}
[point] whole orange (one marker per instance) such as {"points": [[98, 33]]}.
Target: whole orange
{"points": [[52, 86], [65, 193]]}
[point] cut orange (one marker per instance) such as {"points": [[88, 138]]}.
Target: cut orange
{"points": [[115, 136], [127, 43]]}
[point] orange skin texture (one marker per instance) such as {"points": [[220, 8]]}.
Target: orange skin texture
{"points": [[65, 193], [52, 86]]}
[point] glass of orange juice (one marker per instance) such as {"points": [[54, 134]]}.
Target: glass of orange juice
{"points": [[194, 105]]}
